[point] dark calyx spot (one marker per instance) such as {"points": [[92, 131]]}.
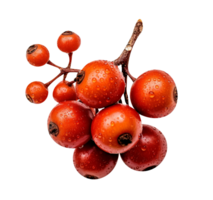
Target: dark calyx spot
{"points": [[29, 98], [80, 77], [124, 139], [53, 129], [67, 33], [32, 48], [91, 178], [149, 169], [175, 94]]}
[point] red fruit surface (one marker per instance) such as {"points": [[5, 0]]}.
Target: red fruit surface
{"points": [[37, 55], [149, 152], [112, 127], [64, 92], [154, 94], [103, 84], [68, 42], [69, 124], [36, 92], [93, 163]]}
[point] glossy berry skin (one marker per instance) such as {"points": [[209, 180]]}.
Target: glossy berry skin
{"points": [[93, 163], [149, 152], [69, 124], [68, 42], [37, 55], [116, 129], [154, 94], [102, 85], [64, 92], [36, 92]]}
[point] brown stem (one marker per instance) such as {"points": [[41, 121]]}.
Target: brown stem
{"points": [[124, 57], [66, 70], [54, 65], [54, 79], [69, 65], [73, 70], [71, 82], [128, 73]]}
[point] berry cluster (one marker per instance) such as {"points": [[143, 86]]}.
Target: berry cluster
{"points": [[91, 117]]}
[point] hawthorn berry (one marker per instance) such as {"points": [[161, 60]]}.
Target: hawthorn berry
{"points": [[69, 124], [149, 152], [36, 92], [37, 55], [93, 163], [64, 92], [68, 42], [154, 94], [116, 129], [100, 84]]}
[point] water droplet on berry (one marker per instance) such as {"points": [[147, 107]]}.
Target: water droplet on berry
{"points": [[108, 100], [158, 79], [111, 80], [156, 86], [110, 139], [151, 94], [94, 80], [112, 123], [98, 87], [107, 71], [143, 148], [97, 71], [149, 80], [86, 88], [102, 80]]}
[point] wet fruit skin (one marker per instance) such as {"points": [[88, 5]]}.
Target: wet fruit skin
{"points": [[37, 55], [69, 124], [68, 41], [103, 84], [64, 92], [112, 122], [93, 163], [154, 94], [36, 93], [149, 152]]}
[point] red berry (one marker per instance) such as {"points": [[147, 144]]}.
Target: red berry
{"points": [[64, 92], [93, 163], [154, 94], [37, 55], [69, 124], [36, 92], [68, 42], [100, 84], [116, 129], [149, 152]]}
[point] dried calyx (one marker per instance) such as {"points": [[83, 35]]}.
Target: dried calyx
{"points": [[53, 129], [175, 94], [125, 139], [80, 77], [90, 178], [67, 33], [32, 48], [29, 98], [150, 169]]}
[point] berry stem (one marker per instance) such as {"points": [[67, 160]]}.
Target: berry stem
{"points": [[55, 78], [123, 59], [128, 73], [71, 82], [69, 65], [54, 65]]}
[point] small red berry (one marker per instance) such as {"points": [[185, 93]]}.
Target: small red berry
{"points": [[93, 163], [64, 92], [36, 92], [154, 94], [116, 129], [149, 152], [100, 84], [69, 124], [68, 42], [37, 55]]}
